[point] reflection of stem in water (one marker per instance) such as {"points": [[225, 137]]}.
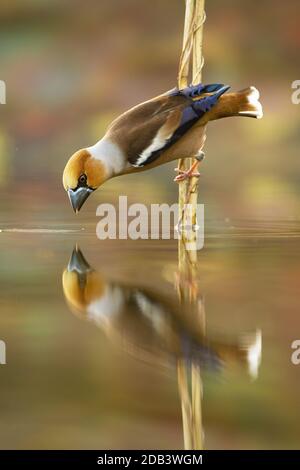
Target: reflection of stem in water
{"points": [[187, 285], [186, 407], [196, 407], [190, 405]]}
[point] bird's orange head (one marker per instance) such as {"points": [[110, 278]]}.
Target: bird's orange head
{"points": [[82, 175], [82, 285]]}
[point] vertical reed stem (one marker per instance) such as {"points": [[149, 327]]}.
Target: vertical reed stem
{"points": [[191, 49], [187, 259]]}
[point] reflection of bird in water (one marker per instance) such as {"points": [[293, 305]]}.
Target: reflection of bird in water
{"points": [[158, 131], [152, 327]]}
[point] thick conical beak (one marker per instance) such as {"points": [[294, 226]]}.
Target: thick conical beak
{"points": [[78, 262], [78, 197]]}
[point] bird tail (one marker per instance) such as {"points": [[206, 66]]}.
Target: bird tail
{"points": [[243, 103]]}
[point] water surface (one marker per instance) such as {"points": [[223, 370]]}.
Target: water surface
{"points": [[100, 353]]}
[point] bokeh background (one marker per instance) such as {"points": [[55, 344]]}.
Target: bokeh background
{"points": [[70, 68]]}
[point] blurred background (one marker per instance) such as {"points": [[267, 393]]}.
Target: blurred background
{"points": [[70, 69]]}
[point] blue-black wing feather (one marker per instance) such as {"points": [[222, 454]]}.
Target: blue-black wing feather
{"points": [[191, 113]]}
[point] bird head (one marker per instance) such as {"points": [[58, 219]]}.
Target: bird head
{"points": [[82, 175], [82, 285]]}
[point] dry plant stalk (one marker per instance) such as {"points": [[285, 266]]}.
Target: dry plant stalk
{"points": [[191, 404], [187, 259], [188, 189]]}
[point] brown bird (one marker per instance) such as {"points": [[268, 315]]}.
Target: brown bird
{"points": [[160, 130], [150, 325]]}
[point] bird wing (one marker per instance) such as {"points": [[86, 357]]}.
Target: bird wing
{"points": [[147, 130]]}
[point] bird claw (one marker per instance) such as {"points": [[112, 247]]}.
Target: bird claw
{"points": [[183, 175]]}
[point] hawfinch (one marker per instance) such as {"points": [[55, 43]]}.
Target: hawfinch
{"points": [[150, 325], [160, 130]]}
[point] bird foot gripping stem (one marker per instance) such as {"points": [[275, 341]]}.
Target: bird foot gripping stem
{"points": [[191, 172]]}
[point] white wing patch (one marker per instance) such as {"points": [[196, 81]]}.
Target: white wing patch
{"points": [[151, 311], [157, 143], [104, 309]]}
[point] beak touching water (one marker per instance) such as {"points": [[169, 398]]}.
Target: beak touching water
{"points": [[78, 197]]}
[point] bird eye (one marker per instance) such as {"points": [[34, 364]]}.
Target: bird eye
{"points": [[82, 179]]}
